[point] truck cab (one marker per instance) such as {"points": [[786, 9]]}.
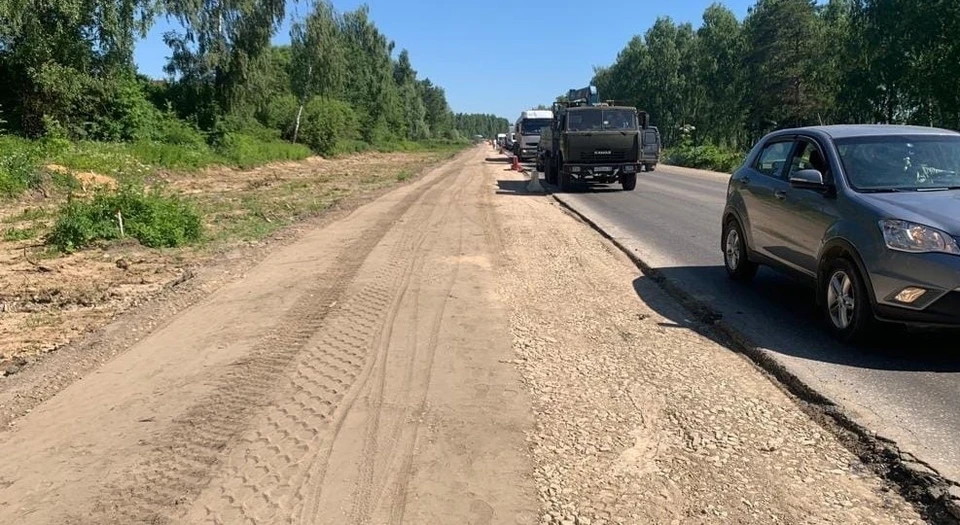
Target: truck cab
{"points": [[593, 143], [527, 129]]}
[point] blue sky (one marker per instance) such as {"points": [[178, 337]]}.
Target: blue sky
{"points": [[495, 57]]}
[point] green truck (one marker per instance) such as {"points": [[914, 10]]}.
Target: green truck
{"points": [[590, 141]]}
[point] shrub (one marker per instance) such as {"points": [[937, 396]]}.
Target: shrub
{"points": [[707, 157], [325, 123], [153, 217]]}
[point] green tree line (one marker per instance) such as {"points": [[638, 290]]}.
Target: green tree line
{"points": [[66, 67], [479, 124], [792, 63]]}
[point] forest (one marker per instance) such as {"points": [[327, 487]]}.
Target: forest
{"points": [[67, 74], [712, 91]]}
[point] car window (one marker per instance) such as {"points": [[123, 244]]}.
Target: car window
{"points": [[808, 156], [772, 158]]}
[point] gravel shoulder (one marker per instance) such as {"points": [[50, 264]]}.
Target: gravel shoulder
{"points": [[639, 419]]}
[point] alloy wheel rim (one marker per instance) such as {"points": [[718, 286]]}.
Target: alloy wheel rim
{"points": [[840, 299], [733, 249]]}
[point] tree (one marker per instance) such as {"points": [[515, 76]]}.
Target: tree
{"points": [[719, 55], [55, 55], [782, 65], [318, 62], [218, 52]]}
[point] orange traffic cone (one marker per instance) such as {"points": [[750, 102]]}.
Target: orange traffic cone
{"points": [[516, 164]]}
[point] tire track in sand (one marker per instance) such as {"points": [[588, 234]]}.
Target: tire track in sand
{"points": [[188, 452], [272, 473]]}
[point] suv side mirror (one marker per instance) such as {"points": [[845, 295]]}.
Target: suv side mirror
{"points": [[808, 180]]}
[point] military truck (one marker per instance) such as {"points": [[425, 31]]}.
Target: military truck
{"points": [[589, 141]]}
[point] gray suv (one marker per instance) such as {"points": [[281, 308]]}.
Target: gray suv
{"points": [[869, 214]]}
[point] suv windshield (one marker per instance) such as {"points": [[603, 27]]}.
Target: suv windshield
{"points": [[602, 120], [901, 162], [533, 126]]}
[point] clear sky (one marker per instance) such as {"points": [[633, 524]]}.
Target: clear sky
{"points": [[496, 57]]}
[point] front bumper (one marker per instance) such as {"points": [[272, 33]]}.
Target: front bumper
{"points": [[936, 273], [600, 172], [528, 152]]}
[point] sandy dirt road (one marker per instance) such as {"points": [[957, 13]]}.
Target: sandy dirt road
{"points": [[453, 352]]}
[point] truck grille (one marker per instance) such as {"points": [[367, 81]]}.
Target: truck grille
{"points": [[590, 156]]}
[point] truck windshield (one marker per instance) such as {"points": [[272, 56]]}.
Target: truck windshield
{"points": [[602, 120], [533, 126]]}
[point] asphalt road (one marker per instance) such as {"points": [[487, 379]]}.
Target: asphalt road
{"points": [[907, 390]]}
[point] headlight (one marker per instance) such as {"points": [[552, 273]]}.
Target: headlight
{"points": [[629, 168], [916, 238]]}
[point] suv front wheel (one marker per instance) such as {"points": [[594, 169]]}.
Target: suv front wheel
{"points": [[846, 302]]}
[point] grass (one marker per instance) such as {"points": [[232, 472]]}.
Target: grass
{"points": [[20, 234], [707, 157], [160, 219], [29, 214]]}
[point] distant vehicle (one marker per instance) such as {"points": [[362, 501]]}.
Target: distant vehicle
{"points": [[528, 128], [511, 139], [650, 148], [502, 140], [869, 215], [590, 141]]}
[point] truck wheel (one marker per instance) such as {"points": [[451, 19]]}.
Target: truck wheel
{"points": [[539, 163], [629, 181], [565, 181], [551, 170]]}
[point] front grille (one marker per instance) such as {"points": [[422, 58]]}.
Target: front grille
{"points": [[613, 156]]}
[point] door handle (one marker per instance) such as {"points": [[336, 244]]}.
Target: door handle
{"points": [[780, 194], [745, 180]]}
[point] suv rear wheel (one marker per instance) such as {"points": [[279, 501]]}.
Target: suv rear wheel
{"points": [[739, 267], [846, 302]]}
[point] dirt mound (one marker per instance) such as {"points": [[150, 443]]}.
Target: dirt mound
{"points": [[87, 179]]}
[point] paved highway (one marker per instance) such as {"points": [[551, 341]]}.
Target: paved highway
{"points": [[907, 390]]}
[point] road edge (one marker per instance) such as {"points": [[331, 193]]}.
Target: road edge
{"points": [[937, 497]]}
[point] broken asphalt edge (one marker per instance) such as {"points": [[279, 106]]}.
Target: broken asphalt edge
{"points": [[937, 497]]}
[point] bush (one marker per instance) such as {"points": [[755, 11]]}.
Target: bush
{"points": [[325, 123], [281, 114], [153, 217], [708, 157]]}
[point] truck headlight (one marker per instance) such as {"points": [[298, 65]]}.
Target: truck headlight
{"points": [[629, 168], [904, 236], [574, 169]]}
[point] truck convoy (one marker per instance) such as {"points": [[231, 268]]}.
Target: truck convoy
{"points": [[527, 129], [589, 141]]}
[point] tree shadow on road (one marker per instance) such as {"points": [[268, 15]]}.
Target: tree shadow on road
{"points": [[780, 315]]}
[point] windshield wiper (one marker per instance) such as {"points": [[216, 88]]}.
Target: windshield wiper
{"points": [[882, 190], [940, 188]]}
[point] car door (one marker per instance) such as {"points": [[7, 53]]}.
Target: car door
{"points": [[763, 187], [808, 214], [651, 146]]}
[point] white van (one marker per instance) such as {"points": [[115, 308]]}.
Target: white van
{"points": [[527, 130]]}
